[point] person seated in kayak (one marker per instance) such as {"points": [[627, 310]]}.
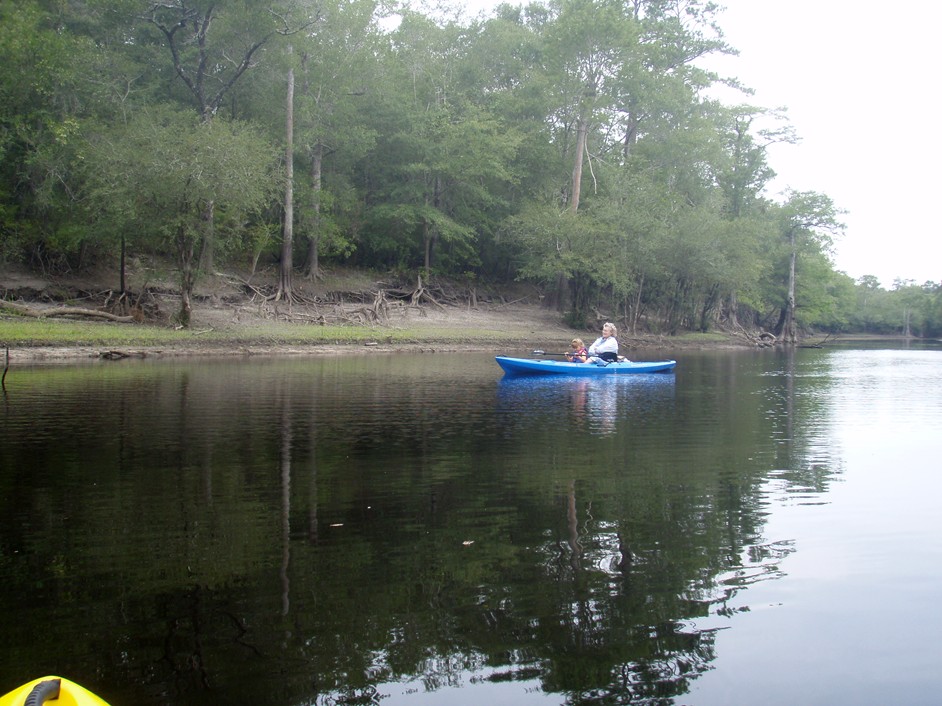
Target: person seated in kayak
{"points": [[605, 347], [578, 354]]}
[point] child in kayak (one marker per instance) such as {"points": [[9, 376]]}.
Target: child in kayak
{"points": [[578, 354]]}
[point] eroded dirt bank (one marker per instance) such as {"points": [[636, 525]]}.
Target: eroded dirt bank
{"points": [[387, 316]]}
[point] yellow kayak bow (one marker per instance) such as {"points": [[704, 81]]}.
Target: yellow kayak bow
{"points": [[53, 690]]}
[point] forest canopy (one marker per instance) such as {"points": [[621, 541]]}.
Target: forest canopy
{"points": [[573, 143]]}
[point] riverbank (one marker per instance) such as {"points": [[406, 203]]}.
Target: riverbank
{"points": [[344, 313], [220, 332]]}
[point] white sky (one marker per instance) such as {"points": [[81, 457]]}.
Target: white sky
{"points": [[860, 82]]}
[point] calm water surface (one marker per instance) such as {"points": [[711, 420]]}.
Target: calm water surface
{"points": [[756, 528]]}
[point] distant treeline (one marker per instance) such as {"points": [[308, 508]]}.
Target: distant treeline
{"points": [[573, 143]]}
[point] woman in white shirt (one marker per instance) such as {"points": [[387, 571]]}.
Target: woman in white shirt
{"points": [[605, 346]]}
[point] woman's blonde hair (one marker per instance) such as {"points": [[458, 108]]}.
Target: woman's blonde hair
{"points": [[609, 324]]}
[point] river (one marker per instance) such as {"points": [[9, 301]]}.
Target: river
{"points": [[758, 527]]}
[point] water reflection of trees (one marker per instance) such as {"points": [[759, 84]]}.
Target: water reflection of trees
{"points": [[598, 621], [591, 583]]}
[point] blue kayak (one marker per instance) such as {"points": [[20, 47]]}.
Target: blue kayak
{"points": [[529, 366]]}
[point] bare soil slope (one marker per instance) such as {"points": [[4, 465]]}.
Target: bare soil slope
{"points": [[396, 313], [450, 315]]}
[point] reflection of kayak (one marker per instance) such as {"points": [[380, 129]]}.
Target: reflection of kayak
{"points": [[527, 366], [55, 691]]}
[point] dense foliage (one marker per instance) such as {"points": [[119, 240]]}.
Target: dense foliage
{"points": [[575, 143]]}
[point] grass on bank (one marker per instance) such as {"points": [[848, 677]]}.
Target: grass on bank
{"points": [[30, 333]]}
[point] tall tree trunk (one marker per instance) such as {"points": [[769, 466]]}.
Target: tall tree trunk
{"points": [[311, 263], [427, 246], [187, 252], [631, 135], [429, 231], [581, 131], [789, 334], [785, 327], [733, 314], [576, 189], [124, 283], [708, 308], [285, 288], [636, 314], [207, 260]]}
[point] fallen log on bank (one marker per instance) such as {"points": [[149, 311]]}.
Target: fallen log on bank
{"points": [[121, 355], [62, 311]]}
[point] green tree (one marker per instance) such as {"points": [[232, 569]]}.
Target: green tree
{"points": [[211, 45], [744, 171], [337, 81], [638, 213], [163, 168], [871, 312], [506, 68], [587, 45], [42, 93], [807, 221], [914, 307], [933, 322], [441, 154], [827, 298], [624, 83], [578, 128]]}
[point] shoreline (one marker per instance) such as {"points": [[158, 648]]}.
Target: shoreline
{"points": [[38, 327], [228, 324], [638, 346], [57, 354], [49, 354], [433, 338], [230, 329], [227, 331], [243, 346]]}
